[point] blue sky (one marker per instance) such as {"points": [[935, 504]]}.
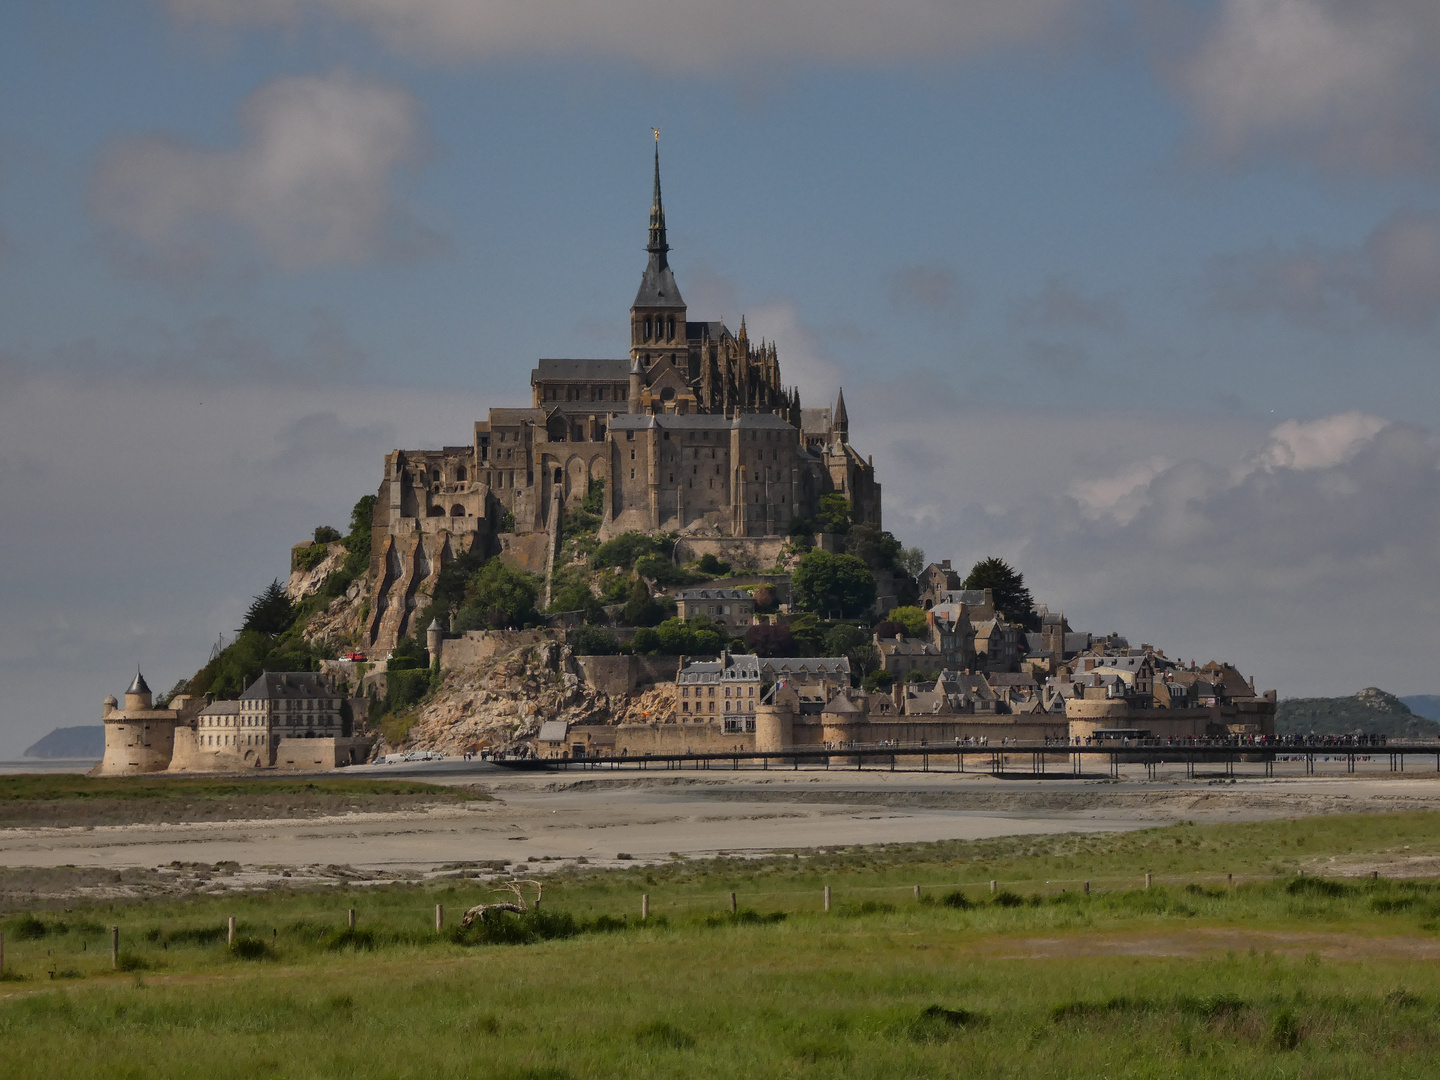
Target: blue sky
{"points": [[1141, 294]]}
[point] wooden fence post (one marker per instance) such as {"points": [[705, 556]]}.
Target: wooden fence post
{"points": [[439, 917], [645, 905], [351, 918], [1147, 881], [917, 892], [2, 952], [732, 903], [992, 885], [1087, 888], [827, 897], [114, 946], [230, 931]]}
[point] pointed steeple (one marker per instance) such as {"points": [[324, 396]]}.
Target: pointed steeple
{"points": [[841, 418], [657, 247], [657, 285]]}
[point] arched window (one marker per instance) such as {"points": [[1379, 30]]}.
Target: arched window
{"points": [[436, 511], [457, 510], [670, 328], [648, 325]]}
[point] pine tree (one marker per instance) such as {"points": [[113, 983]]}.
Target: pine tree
{"points": [[271, 612]]}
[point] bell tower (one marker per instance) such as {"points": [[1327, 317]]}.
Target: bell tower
{"points": [[657, 318]]}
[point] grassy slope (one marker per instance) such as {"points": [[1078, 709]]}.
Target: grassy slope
{"points": [[851, 993]]}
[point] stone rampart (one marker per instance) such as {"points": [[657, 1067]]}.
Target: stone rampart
{"points": [[475, 647]]}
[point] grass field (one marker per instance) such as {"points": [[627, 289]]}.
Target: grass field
{"points": [[1284, 975], [72, 800]]}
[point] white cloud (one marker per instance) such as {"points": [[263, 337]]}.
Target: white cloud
{"points": [[1349, 84], [1317, 444], [1307, 551], [677, 35], [310, 184], [1392, 279]]}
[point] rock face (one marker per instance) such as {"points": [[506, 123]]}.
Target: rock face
{"points": [[505, 699], [303, 583]]}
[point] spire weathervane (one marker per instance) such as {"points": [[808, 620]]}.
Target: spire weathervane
{"points": [[657, 245]]}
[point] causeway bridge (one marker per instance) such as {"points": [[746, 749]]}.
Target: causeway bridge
{"points": [[1016, 758]]}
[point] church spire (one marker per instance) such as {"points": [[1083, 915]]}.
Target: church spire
{"points": [[840, 418], [657, 247]]}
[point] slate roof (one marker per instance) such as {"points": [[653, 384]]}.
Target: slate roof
{"points": [[613, 370], [658, 288], [741, 667], [138, 685], [553, 731], [714, 594], [221, 708], [289, 684]]}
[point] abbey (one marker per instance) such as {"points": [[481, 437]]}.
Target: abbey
{"points": [[692, 433]]}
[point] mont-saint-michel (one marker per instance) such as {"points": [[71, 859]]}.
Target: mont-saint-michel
{"points": [[775, 541], [663, 553]]}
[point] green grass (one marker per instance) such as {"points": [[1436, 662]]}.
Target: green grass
{"points": [[963, 981], [40, 787]]}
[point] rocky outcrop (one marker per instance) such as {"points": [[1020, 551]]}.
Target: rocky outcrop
{"points": [[504, 700], [303, 583]]}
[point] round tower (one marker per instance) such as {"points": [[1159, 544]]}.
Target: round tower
{"points": [[138, 738], [434, 635]]}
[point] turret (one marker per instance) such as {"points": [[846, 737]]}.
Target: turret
{"points": [[138, 698], [434, 635]]}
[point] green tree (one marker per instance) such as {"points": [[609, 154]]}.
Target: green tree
{"points": [[876, 548], [626, 548], [834, 516], [498, 597], [1007, 586], [877, 680], [642, 609], [569, 591], [709, 564], [593, 641], [271, 612], [408, 654], [808, 633], [594, 501], [324, 534], [912, 621], [833, 584]]}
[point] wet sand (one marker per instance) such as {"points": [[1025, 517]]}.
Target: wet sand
{"points": [[562, 817]]}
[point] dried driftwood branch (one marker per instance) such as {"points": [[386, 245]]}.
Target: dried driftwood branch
{"points": [[482, 911]]}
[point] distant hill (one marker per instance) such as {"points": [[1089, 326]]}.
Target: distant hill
{"points": [[1426, 705], [1371, 712], [86, 741]]}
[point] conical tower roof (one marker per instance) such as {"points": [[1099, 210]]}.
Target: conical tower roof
{"points": [[657, 284], [139, 686]]}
